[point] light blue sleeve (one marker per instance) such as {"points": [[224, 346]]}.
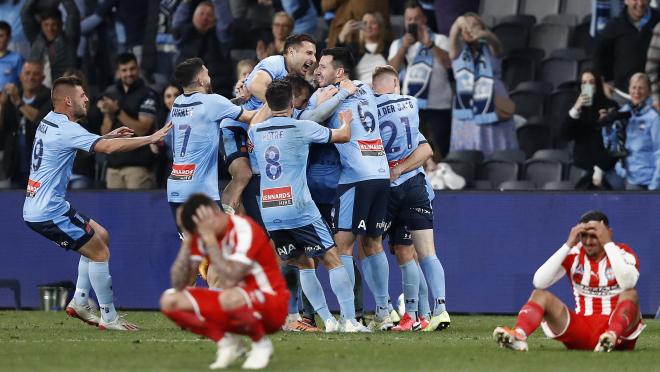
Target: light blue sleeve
{"points": [[326, 109], [79, 138], [219, 107], [313, 132], [655, 138]]}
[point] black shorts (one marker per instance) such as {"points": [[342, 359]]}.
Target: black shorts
{"points": [[326, 213], [250, 199], [361, 207], [312, 240], [410, 204], [70, 230], [398, 234], [233, 144]]}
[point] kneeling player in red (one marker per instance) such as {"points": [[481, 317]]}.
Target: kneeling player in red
{"points": [[254, 298], [603, 275]]}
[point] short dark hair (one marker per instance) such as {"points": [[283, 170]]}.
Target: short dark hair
{"points": [[412, 4], [124, 58], [595, 216], [65, 81], [279, 95], [189, 208], [298, 83], [297, 40], [4, 26], [51, 12], [341, 57], [185, 72]]}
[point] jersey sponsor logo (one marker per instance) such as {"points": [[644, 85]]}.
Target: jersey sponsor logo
{"points": [[182, 172], [32, 188], [372, 147], [602, 291], [276, 197], [285, 250], [313, 249]]}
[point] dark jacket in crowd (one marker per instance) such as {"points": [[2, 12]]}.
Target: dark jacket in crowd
{"points": [[621, 48]]}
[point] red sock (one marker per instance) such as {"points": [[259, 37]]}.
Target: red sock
{"points": [[189, 321], [530, 317], [623, 315], [244, 321]]}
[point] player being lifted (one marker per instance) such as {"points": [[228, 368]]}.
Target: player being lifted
{"points": [[243, 189], [280, 146], [47, 212], [409, 206], [253, 301], [603, 275], [361, 201]]}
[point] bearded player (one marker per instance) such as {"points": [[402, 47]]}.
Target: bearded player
{"points": [[603, 275], [253, 301]]}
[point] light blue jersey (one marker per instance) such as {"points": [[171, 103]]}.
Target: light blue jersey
{"points": [[55, 145], [398, 119], [281, 145], [196, 135], [273, 66], [363, 157]]}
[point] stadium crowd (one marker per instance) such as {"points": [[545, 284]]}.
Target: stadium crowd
{"points": [[126, 52]]}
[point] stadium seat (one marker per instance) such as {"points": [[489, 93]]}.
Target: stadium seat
{"points": [[523, 19], [559, 185], [498, 8], [575, 54], [580, 8], [539, 8], [533, 136], [517, 185], [465, 169], [472, 156], [558, 70], [483, 185], [561, 155], [542, 171], [516, 70], [557, 106], [512, 35], [575, 174], [549, 37], [582, 38], [535, 54], [542, 87], [498, 171], [488, 20], [569, 20], [516, 156], [528, 103]]}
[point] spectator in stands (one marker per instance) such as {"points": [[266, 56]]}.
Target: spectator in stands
{"points": [[10, 12], [129, 102], [22, 110], [345, 10], [653, 66], [302, 12], [641, 132], [581, 126], [622, 46], [98, 47], [369, 48], [10, 62], [281, 28], [478, 121], [205, 38], [84, 164], [422, 60], [54, 46]]}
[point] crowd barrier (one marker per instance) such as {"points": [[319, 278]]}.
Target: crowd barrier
{"points": [[490, 244]]}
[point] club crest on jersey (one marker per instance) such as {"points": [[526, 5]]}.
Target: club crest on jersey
{"points": [[609, 274], [32, 188], [372, 147], [277, 197], [182, 172]]}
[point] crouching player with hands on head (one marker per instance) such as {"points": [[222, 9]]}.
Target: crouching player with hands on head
{"points": [[603, 275], [253, 301]]}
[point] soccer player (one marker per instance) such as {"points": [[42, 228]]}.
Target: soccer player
{"points": [[253, 301], [603, 275], [280, 146], [410, 195], [361, 201], [47, 212], [243, 189]]}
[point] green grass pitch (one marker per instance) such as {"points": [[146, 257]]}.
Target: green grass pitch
{"points": [[40, 341]]}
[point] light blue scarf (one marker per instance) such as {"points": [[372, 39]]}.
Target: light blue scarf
{"points": [[475, 81], [417, 77]]}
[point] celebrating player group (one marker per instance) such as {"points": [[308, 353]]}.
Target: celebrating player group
{"points": [[319, 162]]}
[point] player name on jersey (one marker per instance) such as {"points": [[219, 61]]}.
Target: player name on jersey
{"points": [[395, 106], [277, 197], [182, 172], [180, 112], [372, 147]]}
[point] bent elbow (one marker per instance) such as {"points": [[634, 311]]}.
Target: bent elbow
{"points": [[538, 282], [628, 280]]}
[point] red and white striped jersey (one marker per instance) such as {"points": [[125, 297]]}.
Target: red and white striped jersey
{"points": [[595, 287], [246, 242]]}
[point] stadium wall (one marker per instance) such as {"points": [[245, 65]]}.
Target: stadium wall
{"points": [[490, 244]]}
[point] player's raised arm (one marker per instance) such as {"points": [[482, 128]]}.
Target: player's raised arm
{"points": [[259, 84], [623, 263], [181, 273], [552, 270], [422, 153], [111, 145], [343, 133]]}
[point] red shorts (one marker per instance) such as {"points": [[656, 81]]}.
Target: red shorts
{"points": [[272, 309], [582, 332]]}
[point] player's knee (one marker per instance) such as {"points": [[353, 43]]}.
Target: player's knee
{"points": [[404, 253], [304, 263], [231, 299], [540, 296], [99, 255], [331, 259], [168, 300], [103, 234], [372, 245]]}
